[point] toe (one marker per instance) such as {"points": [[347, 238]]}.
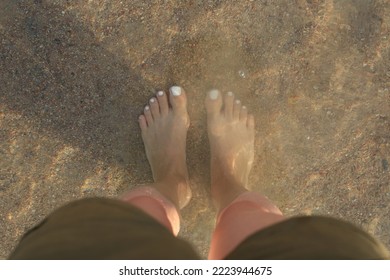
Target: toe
{"points": [[178, 99], [213, 103], [142, 123], [251, 122], [243, 114], [236, 109], [228, 105], [163, 102], [148, 115], [154, 108]]}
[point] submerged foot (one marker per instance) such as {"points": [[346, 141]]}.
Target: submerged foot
{"points": [[231, 134], [164, 126]]}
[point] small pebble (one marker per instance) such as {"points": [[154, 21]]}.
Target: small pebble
{"points": [[385, 164]]}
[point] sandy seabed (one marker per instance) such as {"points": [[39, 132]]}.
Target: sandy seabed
{"points": [[75, 75]]}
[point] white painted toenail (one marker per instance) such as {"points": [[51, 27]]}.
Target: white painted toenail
{"points": [[238, 101], [152, 100], [176, 91], [160, 93], [146, 108], [230, 93], [213, 94], [244, 107]]}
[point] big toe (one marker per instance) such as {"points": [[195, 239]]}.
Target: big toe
{"points": [[213, 102], [178, 99]]}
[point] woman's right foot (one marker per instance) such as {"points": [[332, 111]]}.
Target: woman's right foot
{"points": [[231, 134]]}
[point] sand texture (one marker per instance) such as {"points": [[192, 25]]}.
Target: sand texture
{"points": [[75, 75]]}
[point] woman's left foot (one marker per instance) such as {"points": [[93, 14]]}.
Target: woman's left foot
{"points": [[164, 126]]}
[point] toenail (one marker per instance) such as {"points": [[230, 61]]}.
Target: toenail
{"points": [[244, 107], [230, 93], [146, 108], [238, 101], [160, 93], [152, 100], [213, 94], [176, 91]]}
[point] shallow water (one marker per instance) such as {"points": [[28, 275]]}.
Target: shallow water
{"points": [[75, 76]]}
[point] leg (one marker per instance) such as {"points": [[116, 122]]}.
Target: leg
{"points": [[111, 229], [247, 214], [241, 213], [164, 131], [249, 226]]}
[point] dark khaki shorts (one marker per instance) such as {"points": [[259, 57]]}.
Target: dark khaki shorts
{"points": [[100, 228]]}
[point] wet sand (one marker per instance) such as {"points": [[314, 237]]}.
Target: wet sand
{"points": [[75, 75]]}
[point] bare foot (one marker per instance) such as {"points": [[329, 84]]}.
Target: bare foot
{"points": [[164, 128], [231, 135]]}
